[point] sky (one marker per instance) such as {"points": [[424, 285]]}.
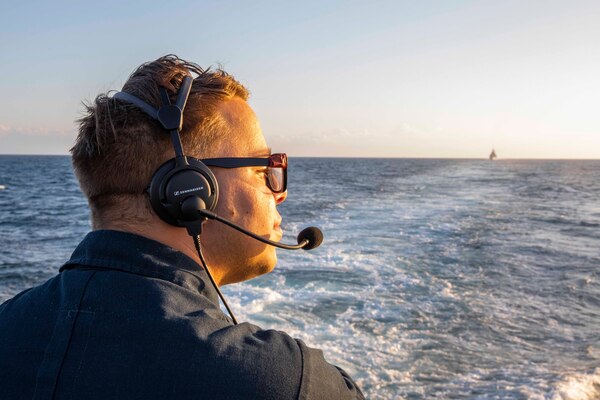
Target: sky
{"points": [[327, 78]]}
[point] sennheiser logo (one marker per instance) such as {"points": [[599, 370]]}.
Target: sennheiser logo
{"points": [[180, 192]]}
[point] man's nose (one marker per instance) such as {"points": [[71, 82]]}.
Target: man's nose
{"points": [[280, 197]]}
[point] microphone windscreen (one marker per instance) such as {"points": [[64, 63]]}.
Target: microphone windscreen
{"points": [[313, 235]]}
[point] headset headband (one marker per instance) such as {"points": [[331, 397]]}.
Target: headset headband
{"points": [[169, 115]]}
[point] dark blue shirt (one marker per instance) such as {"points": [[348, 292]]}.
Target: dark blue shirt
{"points": [[130, 318]]}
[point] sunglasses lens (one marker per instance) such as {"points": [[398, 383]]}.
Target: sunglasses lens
{"points": [[278, 172], [277, 179]]}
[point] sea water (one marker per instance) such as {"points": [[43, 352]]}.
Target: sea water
{"points": [[436, 278]]}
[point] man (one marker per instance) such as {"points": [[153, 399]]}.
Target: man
{"points": [[133, 314]]}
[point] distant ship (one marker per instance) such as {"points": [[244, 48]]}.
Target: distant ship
{"points": [[493, 155]]}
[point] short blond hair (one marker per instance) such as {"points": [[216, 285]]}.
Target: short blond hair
{"points": [[119, 147]]}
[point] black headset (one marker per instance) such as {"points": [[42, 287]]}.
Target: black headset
{"points": [[184, 192], [183, 186]]}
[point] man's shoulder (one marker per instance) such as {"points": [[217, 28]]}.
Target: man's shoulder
{"points": [[120, 322], [279, 366], [266, 362]]}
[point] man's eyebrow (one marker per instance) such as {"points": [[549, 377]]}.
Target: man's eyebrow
{"points": [[264, 152]]}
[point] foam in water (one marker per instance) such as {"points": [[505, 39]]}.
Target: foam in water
{"points": [[579, 387], [437, 278]]}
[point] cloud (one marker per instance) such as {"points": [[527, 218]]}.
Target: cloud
{"points": [[399, 134], [325, 136], [35, 131], [337, 141], [35, 140], [404, 139]]}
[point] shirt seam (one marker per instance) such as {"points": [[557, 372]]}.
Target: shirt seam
{"points": [[302, 373], [37, 392], [71, 332]]}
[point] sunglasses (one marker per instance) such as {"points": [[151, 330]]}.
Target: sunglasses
{"points": [[276, 168]]}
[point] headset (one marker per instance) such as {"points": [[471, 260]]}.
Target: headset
{"points": [[182, 187], [184, 192]]}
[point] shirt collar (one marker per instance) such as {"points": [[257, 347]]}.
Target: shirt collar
{"points": [[116, 250]]}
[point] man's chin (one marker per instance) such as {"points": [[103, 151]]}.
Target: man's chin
{"points": [[253, 269], [267, 266]]}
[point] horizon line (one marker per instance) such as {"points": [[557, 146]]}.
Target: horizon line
{"points": [[369, 157]]}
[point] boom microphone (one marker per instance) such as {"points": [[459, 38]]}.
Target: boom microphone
{"points": [[313, 235], [310, 238]]}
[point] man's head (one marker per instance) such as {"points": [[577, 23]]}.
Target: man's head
{"points": [[119, 148]]}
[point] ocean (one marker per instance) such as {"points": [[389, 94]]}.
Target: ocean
{"points": [[437, 278]]}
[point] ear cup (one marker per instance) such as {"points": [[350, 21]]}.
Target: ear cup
{"points": [[172, 185]]}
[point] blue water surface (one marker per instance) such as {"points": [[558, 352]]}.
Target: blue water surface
{"points": [[437, 278]]}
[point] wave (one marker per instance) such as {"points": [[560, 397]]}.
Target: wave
{"points": [[579, 387]]}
